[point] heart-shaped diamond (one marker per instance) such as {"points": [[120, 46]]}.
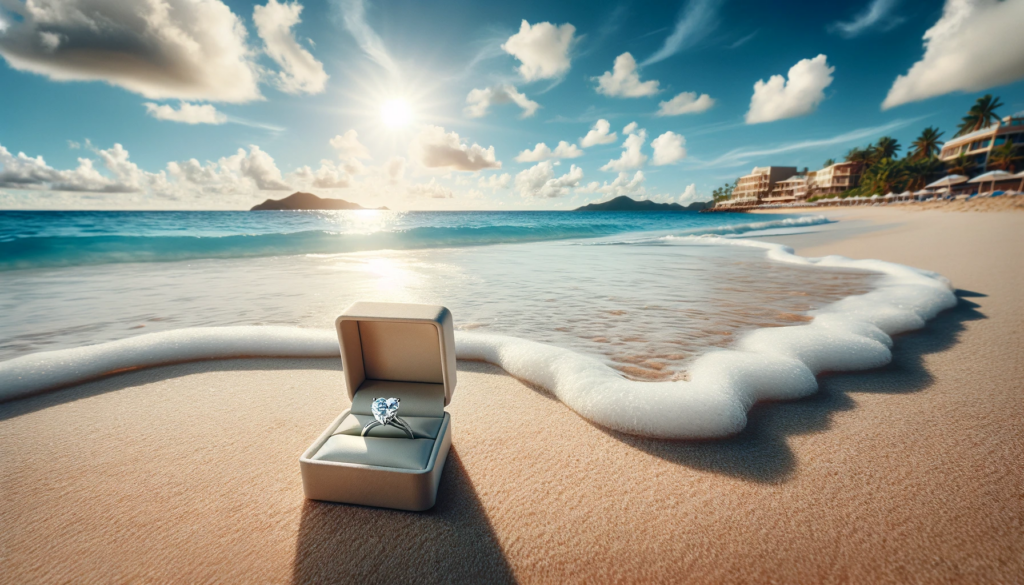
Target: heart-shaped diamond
{"points": [[385, 409]]}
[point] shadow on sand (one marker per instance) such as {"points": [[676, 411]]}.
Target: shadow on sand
{"points": [[760, 452], [453, 542]]}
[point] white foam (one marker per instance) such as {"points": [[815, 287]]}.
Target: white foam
{"points": [[766, 364]]}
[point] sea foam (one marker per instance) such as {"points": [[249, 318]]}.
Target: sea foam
{"points": [[777, 363]]}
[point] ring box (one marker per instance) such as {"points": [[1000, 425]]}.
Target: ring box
{"points": [[398, 350]]}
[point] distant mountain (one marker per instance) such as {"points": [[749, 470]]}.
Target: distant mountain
{"points": [[624, 203], [306, 201]]}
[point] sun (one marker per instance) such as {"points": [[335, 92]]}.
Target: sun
{"points": [[396, 113]]}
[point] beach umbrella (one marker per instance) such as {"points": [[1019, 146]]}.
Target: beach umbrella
{"points": [[1020, 176], [992, 177], [947, 181]]}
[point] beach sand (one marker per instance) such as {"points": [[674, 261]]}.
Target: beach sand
{"points": [[909, 473]]}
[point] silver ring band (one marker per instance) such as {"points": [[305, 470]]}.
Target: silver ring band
{"points": [[395, 422]]}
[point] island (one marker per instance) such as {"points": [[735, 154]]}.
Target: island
{"points": [[300, 201], [624, 203]]}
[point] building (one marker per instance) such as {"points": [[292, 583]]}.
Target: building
{"points": [[979, 144], [758, 185], [795, 189], [837, 178]]}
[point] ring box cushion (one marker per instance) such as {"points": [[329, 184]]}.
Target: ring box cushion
{"points": [[388, 350]]}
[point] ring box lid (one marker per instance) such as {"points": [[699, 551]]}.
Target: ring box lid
{"points": [[397, 342]]}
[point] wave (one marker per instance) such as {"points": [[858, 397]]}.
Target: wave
{"points": [[61, 251], [776, 363]]}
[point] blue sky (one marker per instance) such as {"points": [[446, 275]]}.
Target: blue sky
{"points": [[248, 102]]}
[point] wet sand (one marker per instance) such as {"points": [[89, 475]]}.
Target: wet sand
{"points": [[189, 473]]}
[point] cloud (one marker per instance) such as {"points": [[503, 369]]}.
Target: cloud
{"points": [[622, 185], [742, 156], [543, 152], [348, 145], [668, 149], [696, 20], [435, 148], [301, 72], [175, 49], [542, 49], [237, 173], [690, 195], [328, 176], [599, 135], [186, 113], [480, 100], [630, 128], [739, 43], [779, 98], [395, 169], [685, 103], [624, 81], [975, 45], [631, 157], [539, 180], [877, 15], [433, 190], [353, 17], [495, 182], [23, 172]]}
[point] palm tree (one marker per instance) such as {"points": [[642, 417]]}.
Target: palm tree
{"points": [[885, 176], [927, 144], [1005, 157], [919, 173], [829, 163], [961, 165], [981, 114], [886, 148]]}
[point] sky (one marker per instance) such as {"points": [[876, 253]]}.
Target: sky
{"points": [[210, 104]]}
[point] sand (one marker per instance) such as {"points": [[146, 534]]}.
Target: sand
{"points": [[190, 473]]}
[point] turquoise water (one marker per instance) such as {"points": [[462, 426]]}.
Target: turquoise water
{"points": [[48, 239]]}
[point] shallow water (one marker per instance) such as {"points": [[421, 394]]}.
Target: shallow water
{"points": [[646, 308]]}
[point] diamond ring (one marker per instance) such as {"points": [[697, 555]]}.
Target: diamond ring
{"points": [[385, 412]]}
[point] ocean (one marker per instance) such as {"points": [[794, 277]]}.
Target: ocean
{"points": [[641, 297]]}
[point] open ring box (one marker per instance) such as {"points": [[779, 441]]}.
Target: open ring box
{"points": [[388, 350]]}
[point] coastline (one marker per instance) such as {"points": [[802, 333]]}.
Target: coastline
{"points": [[903, 473]]}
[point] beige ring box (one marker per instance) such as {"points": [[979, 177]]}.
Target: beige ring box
{"points": [[388, 350]]}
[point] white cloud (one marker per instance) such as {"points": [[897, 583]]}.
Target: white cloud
{"points": [[779, 98], [353, 14], [495, 182], [622, 185], [630, 128], [479, 100], [175, 49], [186, 113], [237, 173], [540, 181], [542, 49], [624, 81], [301, 72], [877, 15], [975, 45], [690, 195], [435, 148], [696, 20], [348, 145], [395, 169], [433, 190], [328, 176], [668, 149], [685, 103], [32, 173], [599, 135], [543, 152], [631, 157]]}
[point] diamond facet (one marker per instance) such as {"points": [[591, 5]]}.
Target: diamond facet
{"points": [[385, 409]]}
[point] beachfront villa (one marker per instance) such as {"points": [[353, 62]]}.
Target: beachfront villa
{"points": [[979, 144], [834, 179], [792, 190]]}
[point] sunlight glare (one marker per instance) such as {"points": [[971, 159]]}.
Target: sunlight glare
{"points": [[396, 113]]}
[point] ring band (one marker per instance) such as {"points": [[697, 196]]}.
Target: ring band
{"points": [[395, 422]]}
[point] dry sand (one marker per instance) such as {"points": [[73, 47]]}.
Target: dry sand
{"points": [[913, 472]]}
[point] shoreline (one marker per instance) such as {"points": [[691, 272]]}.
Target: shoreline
{"points": [[867, 479]]}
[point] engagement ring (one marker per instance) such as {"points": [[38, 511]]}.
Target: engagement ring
{"points": [[385, 411]]}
